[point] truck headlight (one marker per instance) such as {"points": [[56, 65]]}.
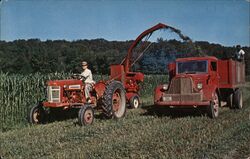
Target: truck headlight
{"points": [[199, 85], [165, 87]]}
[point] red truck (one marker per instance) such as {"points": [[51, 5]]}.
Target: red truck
{"points": [[202, 82]]}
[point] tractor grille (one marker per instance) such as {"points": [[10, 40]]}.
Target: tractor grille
{"points": [[53, 94]]}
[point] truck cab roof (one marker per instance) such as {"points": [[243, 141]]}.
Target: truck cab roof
{"points": [[211, 58]]}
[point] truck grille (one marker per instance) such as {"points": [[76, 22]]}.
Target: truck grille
{"points": [[181, 89], [181, 86], [53, 93]]}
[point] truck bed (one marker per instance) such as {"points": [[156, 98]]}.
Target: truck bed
{"points": [[232, 73]]}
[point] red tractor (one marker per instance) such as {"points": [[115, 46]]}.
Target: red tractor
{"points": [[67, 94], [202, 82]]}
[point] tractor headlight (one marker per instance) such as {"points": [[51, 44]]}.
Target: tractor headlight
{"points": [[199, 85], [165, 87]]}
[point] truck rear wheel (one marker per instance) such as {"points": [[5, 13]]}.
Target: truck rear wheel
{"points": [[213, 108], [86, 115], [134, 102], [114, 100], [230, 103], [238, 99], [37, 115]]}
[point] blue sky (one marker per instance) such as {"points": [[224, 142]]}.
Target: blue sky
{"points": [[217, 21]]}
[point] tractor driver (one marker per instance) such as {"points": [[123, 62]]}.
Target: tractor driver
{"points": [[88, 80]]}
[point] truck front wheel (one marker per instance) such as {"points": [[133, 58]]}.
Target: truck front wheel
{"points": [[213, 108]]}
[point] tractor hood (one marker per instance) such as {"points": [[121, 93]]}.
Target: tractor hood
{"points": [[64, 82]]}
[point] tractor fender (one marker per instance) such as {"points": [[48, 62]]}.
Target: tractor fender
{"points": [[100, 88]]}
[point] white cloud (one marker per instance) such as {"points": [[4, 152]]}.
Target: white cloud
{"points": [[248, 1]]}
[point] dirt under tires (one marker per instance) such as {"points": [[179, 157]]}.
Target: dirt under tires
{"points": [[114, 100]]}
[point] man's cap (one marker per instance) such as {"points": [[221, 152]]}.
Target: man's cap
{"points": [[84, 63]]}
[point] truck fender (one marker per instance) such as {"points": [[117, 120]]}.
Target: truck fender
{"points": [[210, 91], [158, 93]]}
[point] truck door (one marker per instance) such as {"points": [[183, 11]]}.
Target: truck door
{"points": [[214, 76]]}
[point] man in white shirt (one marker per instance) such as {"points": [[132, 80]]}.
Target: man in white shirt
{"points": [[88, 80], [240, 53]]}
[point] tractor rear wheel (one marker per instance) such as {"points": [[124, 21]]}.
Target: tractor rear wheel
{"points": [[213, 108], [37, 115], [238, 100], [86, 115], [134, 102], [114, 100]]}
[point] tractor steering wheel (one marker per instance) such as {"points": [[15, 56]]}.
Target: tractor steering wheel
{"points": [[78, 76]]}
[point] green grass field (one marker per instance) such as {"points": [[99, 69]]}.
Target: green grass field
{"points": [[140, 134]]}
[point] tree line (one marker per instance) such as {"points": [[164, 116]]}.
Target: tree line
{"points": [[34, 55]]}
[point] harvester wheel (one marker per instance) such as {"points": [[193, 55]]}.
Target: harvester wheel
{"points": [[134, 102], [114, 100], [213, 108], [238, 100], [86, 115], [37, 115]]}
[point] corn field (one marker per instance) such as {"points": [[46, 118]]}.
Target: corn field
{"points": [[18, 93]]}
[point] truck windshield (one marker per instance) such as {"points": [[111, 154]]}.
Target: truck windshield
{"points": [[192, 67]]}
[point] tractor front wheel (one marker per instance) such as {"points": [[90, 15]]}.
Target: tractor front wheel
{"points": [[37, 115], [114, 100], [134, 102], [213, 108], [86, 115]]}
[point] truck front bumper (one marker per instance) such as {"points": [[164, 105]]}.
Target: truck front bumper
{"points": [[185, 100], [181, 103]]}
